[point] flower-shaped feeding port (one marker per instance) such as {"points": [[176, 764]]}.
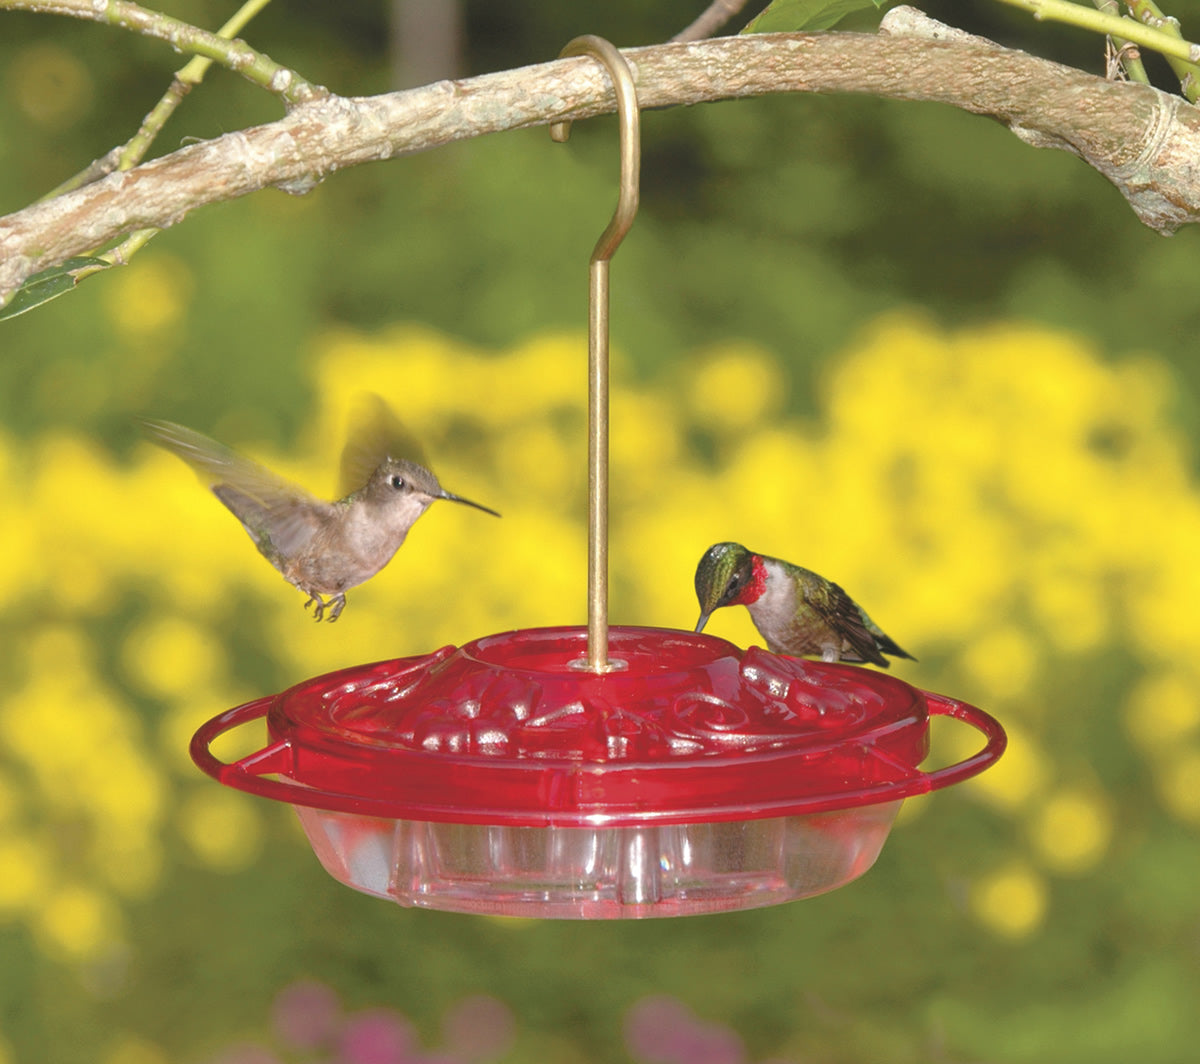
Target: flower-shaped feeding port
{"points": [[500, 778]]}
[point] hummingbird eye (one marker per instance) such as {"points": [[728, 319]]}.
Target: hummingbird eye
{"points": [[397, 482]]}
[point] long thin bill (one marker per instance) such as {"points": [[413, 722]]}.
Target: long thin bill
{"points": [[703, 621], [450, 497]]}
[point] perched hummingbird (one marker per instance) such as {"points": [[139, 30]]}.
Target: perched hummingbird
{"points": [[796, 611], [323, 548]]}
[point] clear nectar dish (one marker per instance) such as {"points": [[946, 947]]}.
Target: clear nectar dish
{"points": [[500, 778]]}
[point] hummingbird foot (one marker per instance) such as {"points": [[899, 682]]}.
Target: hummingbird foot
{"points": [[335, 604]]}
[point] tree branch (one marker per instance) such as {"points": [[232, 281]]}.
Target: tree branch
{"points": [[1145, 142]]}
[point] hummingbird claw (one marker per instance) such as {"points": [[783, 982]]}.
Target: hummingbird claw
{"points": [[335, 604], [338, 602]]}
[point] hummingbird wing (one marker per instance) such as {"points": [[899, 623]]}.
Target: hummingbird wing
{"points": [[376, 434], [842, 614], [280, 516]]}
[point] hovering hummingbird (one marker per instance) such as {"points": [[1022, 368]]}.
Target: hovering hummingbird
{"points": [[796, 611], [323, 548]]}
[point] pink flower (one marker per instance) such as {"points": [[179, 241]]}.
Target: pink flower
{"points": [[307, 1015], [378, 1036]]}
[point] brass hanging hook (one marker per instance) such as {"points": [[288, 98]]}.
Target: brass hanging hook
{"points": [[627, 205], [629, 116]]}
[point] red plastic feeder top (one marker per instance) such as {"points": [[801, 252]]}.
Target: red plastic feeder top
{"points": [[500, 777]]}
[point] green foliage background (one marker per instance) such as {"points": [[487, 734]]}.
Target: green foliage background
{"points": [[791, 224]]}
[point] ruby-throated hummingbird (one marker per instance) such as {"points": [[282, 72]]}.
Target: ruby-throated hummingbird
{"points": [[796, 611], [323, 548]]}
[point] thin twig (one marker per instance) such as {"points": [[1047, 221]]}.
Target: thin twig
{"points": [[236, 55], [1188, 73], [186, 78], [1086, 18], [711, 19]]}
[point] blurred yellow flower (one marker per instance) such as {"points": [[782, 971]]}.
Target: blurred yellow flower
{"points": [[168, 657], [1071, 830], [50, 84], [1178, 781], [1011, 901], [24, 874], [1002, 661], [77, 922], [733, 388], [150, 296], [223, 828], [1162, 709]]}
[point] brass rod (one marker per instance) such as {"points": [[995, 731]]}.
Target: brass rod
{"points": [[598, 331], [598, 466]]}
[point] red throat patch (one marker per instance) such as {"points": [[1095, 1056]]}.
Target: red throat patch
{"points": [[752, 592]]}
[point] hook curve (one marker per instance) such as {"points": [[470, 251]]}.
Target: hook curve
{"points": [[629, 117]]}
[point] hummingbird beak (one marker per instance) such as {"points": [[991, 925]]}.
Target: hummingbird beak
{"points": [[451, 497], [703, 620]]}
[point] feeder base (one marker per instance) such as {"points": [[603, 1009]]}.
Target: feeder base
{"points": [[583, 873]]}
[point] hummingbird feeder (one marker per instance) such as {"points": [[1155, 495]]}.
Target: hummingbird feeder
{"points": [[599, 773]]}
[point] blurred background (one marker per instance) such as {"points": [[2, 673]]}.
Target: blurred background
{"points": [[886, 341]]}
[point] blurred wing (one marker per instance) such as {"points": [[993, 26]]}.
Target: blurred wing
{"points": [[375, 435], [279, 515]]}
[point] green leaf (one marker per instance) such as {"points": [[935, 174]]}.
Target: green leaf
{"points": [[51, 283], [787, 16]]}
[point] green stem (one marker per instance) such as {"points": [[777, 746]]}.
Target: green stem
{"points": [[236, 55], [1132, 64], [1086, 18], [124, 251], [129, 154], [1150, 14], [134, 150]]}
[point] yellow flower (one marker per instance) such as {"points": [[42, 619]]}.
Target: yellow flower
{"points": [[149, 297], [1071, 830], [1011, 901], [733, 387], [77, 922], [25, 875], [169, 656], [1003, 661], [1178, 783], [1163, 709], [51, 86], [222, 827]]}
